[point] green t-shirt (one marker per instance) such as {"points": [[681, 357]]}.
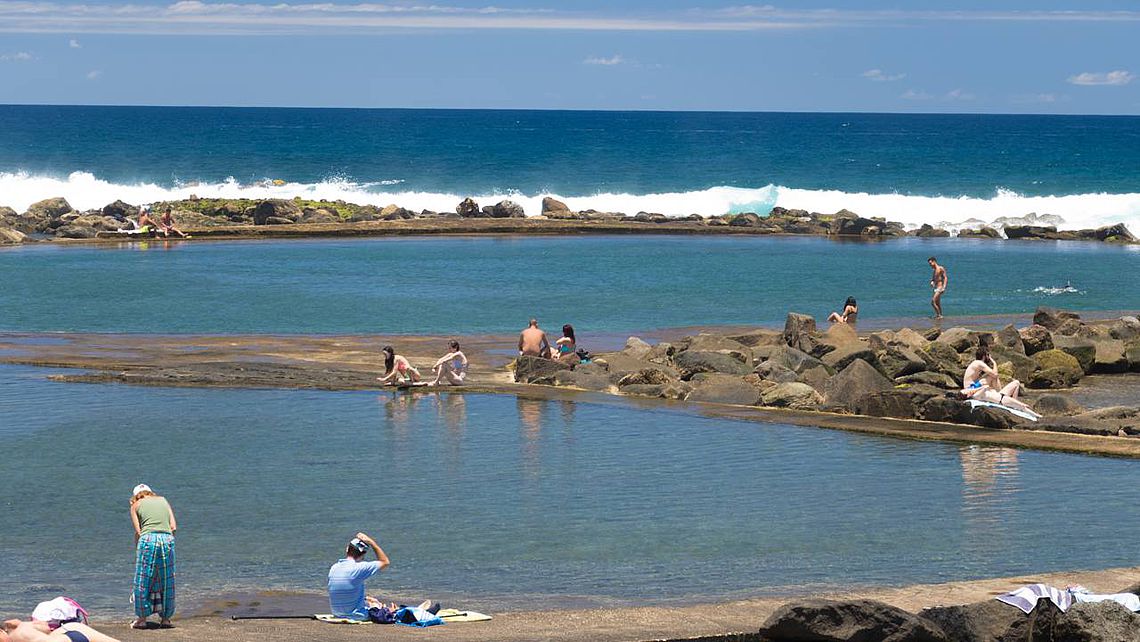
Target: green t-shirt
{"points": [[154, 515]]}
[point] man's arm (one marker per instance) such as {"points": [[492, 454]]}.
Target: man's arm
{"points": [[945, 278], [380, 555], [521, 335]]}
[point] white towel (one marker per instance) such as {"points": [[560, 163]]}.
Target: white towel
{"points": [[1129, 601], [1025, 598]]}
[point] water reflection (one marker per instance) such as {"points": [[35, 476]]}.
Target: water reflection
{"points": [[990, 486], [531, 418]]}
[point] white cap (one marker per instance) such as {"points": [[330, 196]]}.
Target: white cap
{"points": [[140, 488]]}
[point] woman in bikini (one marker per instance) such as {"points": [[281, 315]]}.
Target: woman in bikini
{"points": [[397, 369], [451, 366], [981, 382], [564, 348], [849, 315]]}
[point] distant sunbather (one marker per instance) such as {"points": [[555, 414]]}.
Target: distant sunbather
{"points": [[166, 224], [451, 366], [533, 341], [397, 369], [29, 631], [564, 348], [147, 225], [981, 382], [849, 315]]}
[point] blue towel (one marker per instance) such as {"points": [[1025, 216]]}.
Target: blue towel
{"points": [[415, 616]]}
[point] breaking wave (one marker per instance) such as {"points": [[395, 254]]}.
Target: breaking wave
{"points": [[86, 191]]}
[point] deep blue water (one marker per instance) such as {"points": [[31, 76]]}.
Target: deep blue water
{"points": [[494, 501], [580, 153], [480, 285]]}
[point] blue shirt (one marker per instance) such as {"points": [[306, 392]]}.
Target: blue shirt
{"points": [[346, 587]]}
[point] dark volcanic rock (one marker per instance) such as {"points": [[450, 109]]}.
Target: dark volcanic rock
{"points": [[76, 232], [1057, 370], [818, 620], [1114, 233], [280, 210], [993, 621], [798, 331], [795, 395], [1031, 232], [1082, 349], [537, 370], [844, 355], [646, 377], [889, 403], [505, 209], [1057, 405], [120, 210], [1009, 337], [927, 231], [720, 388], [468, 208], [1052, 318], [1036, 338], [936, 379], [691, 362], [746, 219], [859, 378], [554, 208], [983, 232]]}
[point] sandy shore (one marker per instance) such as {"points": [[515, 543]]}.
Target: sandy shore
{"points": [[731, 620]]}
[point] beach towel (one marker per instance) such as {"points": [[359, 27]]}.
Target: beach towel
{"points": [[1025, 598], [1130, 601], [332, 619], [975, 404], [415, 616]]}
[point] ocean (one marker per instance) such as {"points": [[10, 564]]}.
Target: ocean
{"points": [[939, 169]]}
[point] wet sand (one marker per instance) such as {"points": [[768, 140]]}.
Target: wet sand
{"points": [[729, 620]]}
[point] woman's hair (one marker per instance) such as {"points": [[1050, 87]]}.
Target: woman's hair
{"points": [[389, 359], [454, 345], [851, 302], [983, 352], [142, 493], [568, 331]]}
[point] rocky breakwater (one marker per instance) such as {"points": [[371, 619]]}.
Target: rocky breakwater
{"points": [[986, 621], [891, 373], [56, 218]]}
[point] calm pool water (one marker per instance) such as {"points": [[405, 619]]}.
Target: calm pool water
{"points": [[489, 285], [513, 501]]}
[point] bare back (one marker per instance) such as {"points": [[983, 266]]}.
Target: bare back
{"points": [[533, 342]]}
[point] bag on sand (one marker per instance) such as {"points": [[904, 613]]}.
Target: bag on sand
{"points": [[61, 610]]}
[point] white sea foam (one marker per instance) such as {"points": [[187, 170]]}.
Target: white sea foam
{"points": [[86, 191]]}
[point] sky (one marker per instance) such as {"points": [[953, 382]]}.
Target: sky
{"points": [[1000, 56]]}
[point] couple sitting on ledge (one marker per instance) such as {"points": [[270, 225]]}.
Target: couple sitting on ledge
{"points": [[533, 343], [981, 382]]}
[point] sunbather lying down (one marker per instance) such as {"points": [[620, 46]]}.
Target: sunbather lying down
{"points": [[30, 631], [981, 383]]}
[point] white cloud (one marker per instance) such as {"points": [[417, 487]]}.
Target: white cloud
{"points": [[94, 74], [911, 94], [1088, 78], [958, 94], [953, 95], [269, 17], [19, 56], [74, 44], [613, 60], [877, 75]]}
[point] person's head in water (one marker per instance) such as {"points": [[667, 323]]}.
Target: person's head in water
{"points": [[534, 323], [850, 303], [389, 359], [568, 332], [453, 345], [356, 549]]}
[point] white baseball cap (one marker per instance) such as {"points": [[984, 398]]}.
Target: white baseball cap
{"points": [[141, 488]]}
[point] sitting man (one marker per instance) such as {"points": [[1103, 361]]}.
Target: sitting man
{"points": [[347, 577], [533, 341]]}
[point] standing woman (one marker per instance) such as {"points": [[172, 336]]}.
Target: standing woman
{"points": [[154, 566]]}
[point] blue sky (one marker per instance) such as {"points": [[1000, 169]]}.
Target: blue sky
{"points": [[1041, 56]]}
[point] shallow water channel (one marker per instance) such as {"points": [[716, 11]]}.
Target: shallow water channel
{"points": [[511, 501]]}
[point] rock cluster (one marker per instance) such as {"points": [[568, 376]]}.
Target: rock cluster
{"points": [[900, 374], [991, 620], [55, 217]]}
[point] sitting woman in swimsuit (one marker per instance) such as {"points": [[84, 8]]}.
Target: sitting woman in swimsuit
{"points": [[564, 348], [451, 366], [29, 631], [397, 369], [981, 382], [849, 315]]}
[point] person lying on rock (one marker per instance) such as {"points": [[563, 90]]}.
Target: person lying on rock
{"points": [[31, 631], [982, 383]]}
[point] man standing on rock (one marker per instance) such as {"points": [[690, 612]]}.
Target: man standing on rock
{"points": [[533, 341], [938, 281]]}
